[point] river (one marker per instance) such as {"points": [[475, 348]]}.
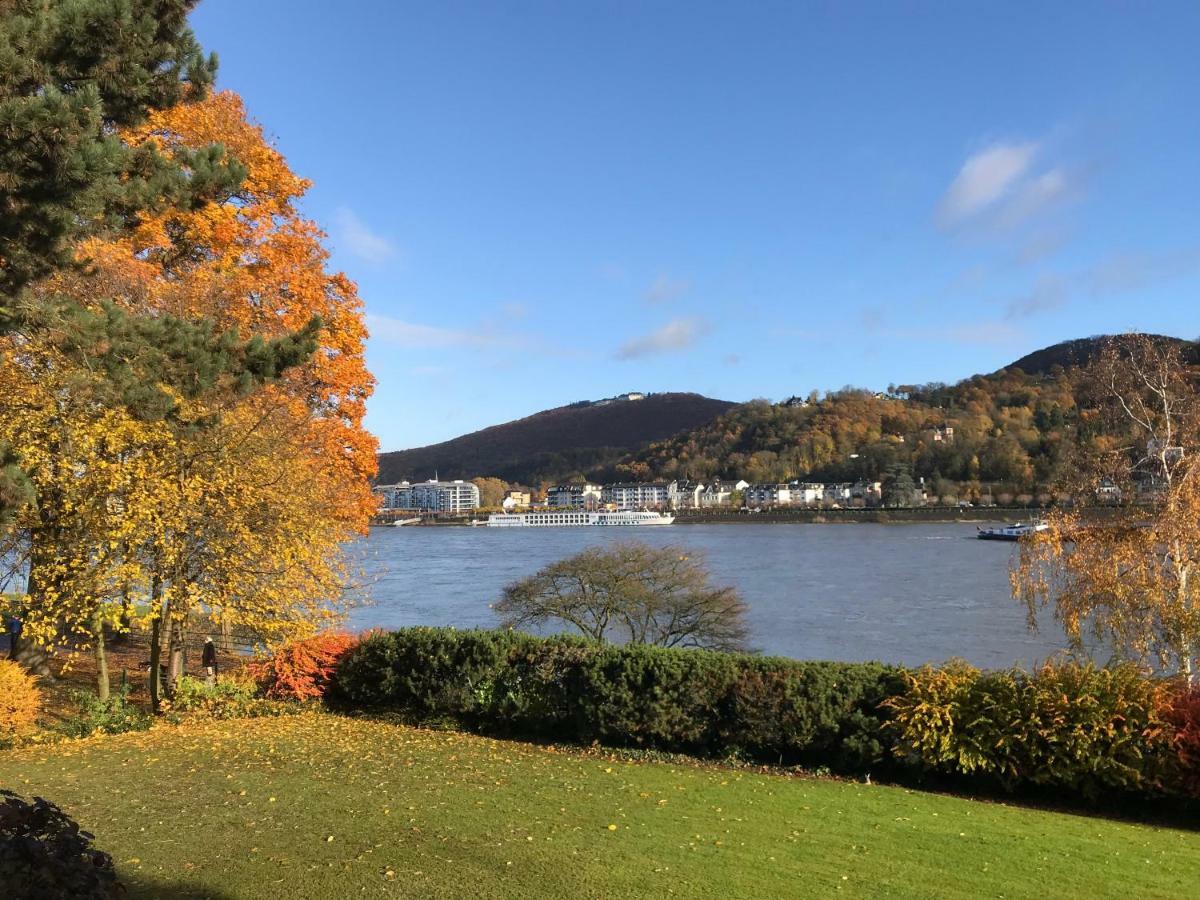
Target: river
{"points": [[906, 594]]}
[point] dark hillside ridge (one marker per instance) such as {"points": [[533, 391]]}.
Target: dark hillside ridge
{"points": [[555, 444], [1079, 352]]}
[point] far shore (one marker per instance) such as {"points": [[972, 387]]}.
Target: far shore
{"points": [[903, 516]]}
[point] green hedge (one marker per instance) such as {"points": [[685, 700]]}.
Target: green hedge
{"points": [[1075, 729], [720, 705]]}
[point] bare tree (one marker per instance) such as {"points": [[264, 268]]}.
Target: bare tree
{"points": [[634, 593], [1135, 577]]}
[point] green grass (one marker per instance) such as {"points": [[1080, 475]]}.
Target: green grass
{"points": [[317, 806]]}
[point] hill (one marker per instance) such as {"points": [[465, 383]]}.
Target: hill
{"points": [[1013, 430], [1079, 352], [558, 443]]}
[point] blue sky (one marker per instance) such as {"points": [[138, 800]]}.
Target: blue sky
{"points": [[549, 202]]}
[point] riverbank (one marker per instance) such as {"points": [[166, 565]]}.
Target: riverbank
{"points": [[876, 515]]}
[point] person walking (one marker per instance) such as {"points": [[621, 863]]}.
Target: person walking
{"points": [[208, 659]]}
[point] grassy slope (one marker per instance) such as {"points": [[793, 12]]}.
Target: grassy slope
{"points": [[246, 809]]}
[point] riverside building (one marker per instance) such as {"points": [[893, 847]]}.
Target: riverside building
{"points": [[436, 496]]}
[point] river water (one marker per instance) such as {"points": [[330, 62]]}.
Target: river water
{"points": [[906, 594]]}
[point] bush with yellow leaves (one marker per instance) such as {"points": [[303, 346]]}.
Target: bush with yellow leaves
{"points": [[20, 701]]}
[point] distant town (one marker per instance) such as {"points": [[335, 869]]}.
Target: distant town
{"points": [[460, 496]]}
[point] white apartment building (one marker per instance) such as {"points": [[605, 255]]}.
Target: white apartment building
{"points": [[837, 493], [807, 493], [574, 496], [718, 493], [437, 496], [767, 495], [635, 495], [684, 494]]}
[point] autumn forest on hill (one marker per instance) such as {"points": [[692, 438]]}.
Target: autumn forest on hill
{"points": [[1015, 431]]}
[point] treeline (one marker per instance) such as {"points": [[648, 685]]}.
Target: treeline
{"points": [[1011, 430]]}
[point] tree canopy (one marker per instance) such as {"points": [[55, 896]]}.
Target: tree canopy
{"points": [[631, 592]]}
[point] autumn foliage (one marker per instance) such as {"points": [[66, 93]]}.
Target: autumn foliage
{"points": [[302, 669], [1181, 711], [20, 700], [240, 502]]}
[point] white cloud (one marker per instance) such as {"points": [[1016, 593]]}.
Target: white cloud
{"points": [[357, 238], [983, 179], [414, 334], [678, 334], [665, 289], [1034, 196]]}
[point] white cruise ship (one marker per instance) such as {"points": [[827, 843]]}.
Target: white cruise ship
{"points": [[575, 518]]}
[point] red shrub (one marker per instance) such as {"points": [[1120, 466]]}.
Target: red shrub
{"points": [[1181, 711], [301, 670]]}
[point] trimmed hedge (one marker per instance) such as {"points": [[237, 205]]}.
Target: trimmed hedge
{"points": [[1075, 729], [721, 705]]}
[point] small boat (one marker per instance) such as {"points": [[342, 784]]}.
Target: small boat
{"points": [[1013, 531]]}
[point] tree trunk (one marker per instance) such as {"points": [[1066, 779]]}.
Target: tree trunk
{"points": [[155, 643], [174, 655], [101, 661], [31, 656]]}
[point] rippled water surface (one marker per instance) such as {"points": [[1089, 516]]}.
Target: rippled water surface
{"points": [[900, 593]]}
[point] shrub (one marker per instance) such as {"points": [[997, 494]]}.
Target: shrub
{"points": [[1070, 726], [43, 853], [563, 688], [1180, 709], [115, 715], [235, 696], [301, 670], [20, 701]]}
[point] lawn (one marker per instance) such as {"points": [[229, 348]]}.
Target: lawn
{"points": [[318, 806]]}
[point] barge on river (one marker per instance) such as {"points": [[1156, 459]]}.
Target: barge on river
{"points": [[1011, 532], [576, 519]]}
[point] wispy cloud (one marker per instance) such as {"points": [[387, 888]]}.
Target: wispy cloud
{"points": [[1048, 292], [1034, 196], [413, 334], [1125, 272], [665, 289], [985, 333], [1117, 274], [983, 179], [354, 234], [1007, 185], [678, 334]]}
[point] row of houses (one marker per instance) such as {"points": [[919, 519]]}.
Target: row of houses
{"points": [[710, 495], [459, 496]]}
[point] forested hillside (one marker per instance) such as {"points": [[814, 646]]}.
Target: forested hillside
{"points": [[1011, 428], [557, 444]]}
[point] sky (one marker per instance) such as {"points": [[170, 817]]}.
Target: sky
{"points": [[550, 202]]}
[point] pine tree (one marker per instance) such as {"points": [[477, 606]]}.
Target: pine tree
{"points": [[73, 73]]}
